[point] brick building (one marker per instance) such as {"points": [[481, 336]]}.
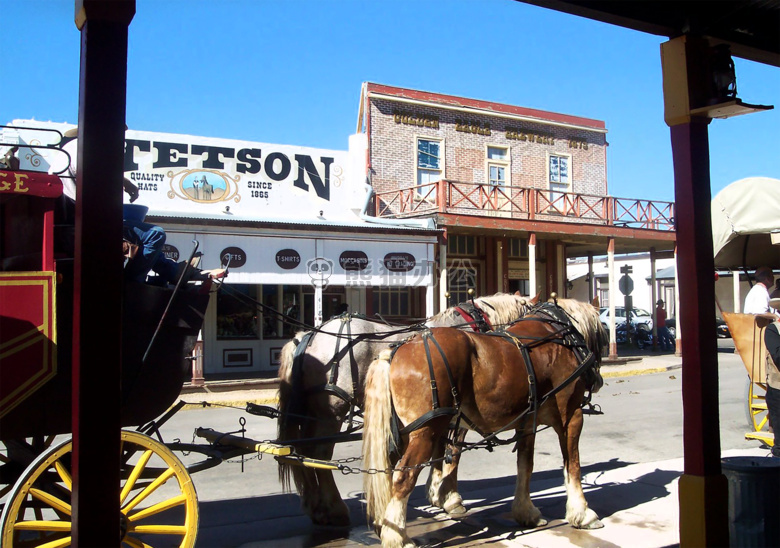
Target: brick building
{"points": [[516, 190]]}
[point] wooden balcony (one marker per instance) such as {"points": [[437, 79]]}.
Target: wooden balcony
{"points": [[513, 202]]}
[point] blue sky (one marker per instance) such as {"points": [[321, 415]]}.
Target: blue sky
{"points": [[289, 72]]}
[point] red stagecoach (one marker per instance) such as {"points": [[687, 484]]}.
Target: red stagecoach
{"points": [[160, 327]]}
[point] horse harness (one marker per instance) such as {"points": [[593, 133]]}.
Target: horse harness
{"points": [[566, 336], [331, 385], [475, 317]]}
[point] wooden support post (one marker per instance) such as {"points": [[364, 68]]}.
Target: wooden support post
{"points": [[703, 488], [97, 318]]}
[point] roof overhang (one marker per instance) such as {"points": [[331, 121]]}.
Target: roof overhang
{"points": [[750, 27]]}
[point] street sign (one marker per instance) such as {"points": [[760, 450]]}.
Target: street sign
{"points": [[626, 284]]}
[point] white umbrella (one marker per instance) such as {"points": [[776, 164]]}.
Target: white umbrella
{"points": [[746, 224]]}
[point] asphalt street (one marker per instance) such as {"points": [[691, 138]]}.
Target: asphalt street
{"points": [[631, 457]]}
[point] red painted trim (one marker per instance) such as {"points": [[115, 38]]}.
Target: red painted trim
{"points": [[47, 248], [541, 227], [498, 108]]}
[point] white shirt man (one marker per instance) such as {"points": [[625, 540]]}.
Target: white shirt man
{"points": [[757, 299]]}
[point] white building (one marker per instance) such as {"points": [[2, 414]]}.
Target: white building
{"points": [[290, 221]]}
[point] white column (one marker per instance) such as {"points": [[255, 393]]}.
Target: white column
{"points": [[560, 258], [737, 296], [442, 278], [317, 305], [654, 297], [612, 294], [532, 265]]}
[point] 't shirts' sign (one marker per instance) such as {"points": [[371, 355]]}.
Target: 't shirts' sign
{"points": [[288, 259]]}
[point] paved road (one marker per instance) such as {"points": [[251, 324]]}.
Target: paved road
{"points": [[642, 423]]}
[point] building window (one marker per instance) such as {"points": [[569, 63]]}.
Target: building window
{"points": [[391, 301], [518, 248], [462, 245], [429, 163], [521, 285], [559, 175], [497, 164], [237, 318], [461, 277]]}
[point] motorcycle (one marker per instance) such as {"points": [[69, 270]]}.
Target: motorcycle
{"points": [[639, 334]]}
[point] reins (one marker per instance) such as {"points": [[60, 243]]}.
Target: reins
{"points": [[566, 336]]}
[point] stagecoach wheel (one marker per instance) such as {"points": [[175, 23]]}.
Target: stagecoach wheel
{"points": [[15, 457], [756, 411], [159, 506]]}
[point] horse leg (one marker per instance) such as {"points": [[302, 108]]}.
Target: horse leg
{"points": [[523, 510], [320, 496], [442, 485], [577, 512], [418, 451]]}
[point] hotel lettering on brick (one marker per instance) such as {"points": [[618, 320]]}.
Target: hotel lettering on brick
{"points": [[516, 191]]}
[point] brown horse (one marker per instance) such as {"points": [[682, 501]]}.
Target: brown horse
{"points": [[537, 372], [322, 377]]}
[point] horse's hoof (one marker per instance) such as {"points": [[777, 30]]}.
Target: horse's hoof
{"points": [[533, 524], [456, 510], [589, 521], [595, 524]]}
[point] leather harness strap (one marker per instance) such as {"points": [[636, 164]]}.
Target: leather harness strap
{"points": [[475, 317]]}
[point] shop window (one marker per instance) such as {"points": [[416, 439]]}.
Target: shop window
{"points": [[461, 244], [521, 285], [392, 301], [429, 163], [237, 318], [518, 248], [292, 298], [460, 279]]}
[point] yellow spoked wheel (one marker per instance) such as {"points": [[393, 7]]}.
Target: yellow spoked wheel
{"points": [[757, 413], [15, 456], [158, 502]]}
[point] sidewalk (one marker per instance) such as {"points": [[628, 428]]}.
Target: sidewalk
{"points": [[263, 390]]}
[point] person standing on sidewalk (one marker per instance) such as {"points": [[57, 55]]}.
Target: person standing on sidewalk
{"points": [[665, 340], [757, 299], [772, 341]]}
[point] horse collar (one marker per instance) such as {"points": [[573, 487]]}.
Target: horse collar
{"points": [[475, 317]]}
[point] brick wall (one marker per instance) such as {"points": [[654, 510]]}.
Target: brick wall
{"points": [[393, 142]]}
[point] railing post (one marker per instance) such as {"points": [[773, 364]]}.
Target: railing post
{"points": [[197, 365], [441, 195], [610, 210], [530, 198]]}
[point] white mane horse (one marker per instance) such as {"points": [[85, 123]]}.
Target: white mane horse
{"points": [[322, 379]]}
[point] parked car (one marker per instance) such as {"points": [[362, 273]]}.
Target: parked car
{"points": [[638, 315]]}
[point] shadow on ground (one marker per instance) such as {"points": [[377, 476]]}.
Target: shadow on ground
{"points": [[264, 522]]}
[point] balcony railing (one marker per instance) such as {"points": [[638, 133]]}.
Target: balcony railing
{"points": [[513, 202]]}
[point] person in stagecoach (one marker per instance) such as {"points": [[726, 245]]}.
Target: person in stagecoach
{"points": [[143, 242]]}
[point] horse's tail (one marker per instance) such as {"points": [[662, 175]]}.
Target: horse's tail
{"points": [[376, 436], [288, 426]]}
